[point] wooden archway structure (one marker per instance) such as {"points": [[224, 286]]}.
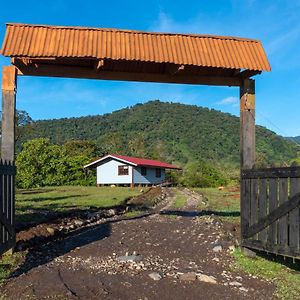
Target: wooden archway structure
{"points": [[111, 54]]}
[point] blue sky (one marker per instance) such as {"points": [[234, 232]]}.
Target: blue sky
{"points": [[275, 23]]}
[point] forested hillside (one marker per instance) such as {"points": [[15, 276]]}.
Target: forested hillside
{"points": [[170, 131], [295, 138]]}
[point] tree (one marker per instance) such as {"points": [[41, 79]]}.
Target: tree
{"points": [[41, 163], [136, 145]]}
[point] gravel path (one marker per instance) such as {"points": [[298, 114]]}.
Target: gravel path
{"points": [[158, 256]]}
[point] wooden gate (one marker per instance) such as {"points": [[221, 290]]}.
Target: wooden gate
{"points": [[270, 212], [7, 206]]}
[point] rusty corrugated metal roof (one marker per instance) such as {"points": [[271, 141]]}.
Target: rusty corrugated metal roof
{"points": [[42, 41]]}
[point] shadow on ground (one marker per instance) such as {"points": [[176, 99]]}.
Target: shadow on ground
{"points": [[192, 214], [54, 246]]}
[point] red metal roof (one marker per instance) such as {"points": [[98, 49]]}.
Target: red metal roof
{"points": [[136, 161], [43, 41]]}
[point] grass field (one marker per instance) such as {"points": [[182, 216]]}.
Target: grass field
{"points": [[36, 203], [286, 278], [224, 203]]}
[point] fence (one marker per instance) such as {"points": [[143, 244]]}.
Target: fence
{"points": [[7, 206], [270, 212]]}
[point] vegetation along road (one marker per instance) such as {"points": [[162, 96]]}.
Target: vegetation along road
{"points": [[160, 244]]}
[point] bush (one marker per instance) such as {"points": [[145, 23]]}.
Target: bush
{"points": [[202, 174]]}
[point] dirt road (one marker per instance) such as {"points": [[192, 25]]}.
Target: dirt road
{"points": [[174, 255]]}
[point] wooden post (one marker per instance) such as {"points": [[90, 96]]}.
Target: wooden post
{"points": [[247, 121], [9, 80], [247, 146]]}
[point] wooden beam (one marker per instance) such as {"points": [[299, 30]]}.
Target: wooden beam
{"points": [[91, 73], [9, 84], [248, 73]]}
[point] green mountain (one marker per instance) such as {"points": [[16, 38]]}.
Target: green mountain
{"points": [[170, 131], [295, 138]]}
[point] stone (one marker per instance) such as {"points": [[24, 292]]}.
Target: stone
{"points": [[216, 259], [155, 276], [217, 248], [78, 223], [110, 213], [51, 230], [243, 289], [235, 283], [206, 278], [231, 248], [190, 276], [249, 253], [129, 258]]}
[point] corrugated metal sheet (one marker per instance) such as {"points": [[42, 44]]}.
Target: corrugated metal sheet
{"points": [[22, 40]]}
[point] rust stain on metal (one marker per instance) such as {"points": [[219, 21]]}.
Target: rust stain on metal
{"points": [[42, 41]]}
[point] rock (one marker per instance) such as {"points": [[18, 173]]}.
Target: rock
{"points": [[216, 259], [78, 223], [231, 248], [249, 253], [243, 289], [235, 283], [190, 276], [110, 213], [217, 248], [206, 278], [51, 230], [155, 276], [129, 258]]}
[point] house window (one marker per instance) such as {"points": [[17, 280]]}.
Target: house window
{"points": [[158, 172], [122, 170], [144, 171]]}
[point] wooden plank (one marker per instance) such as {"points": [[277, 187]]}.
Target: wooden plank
{"points": [[253, 202], [275, 249], [8, 113], [2, 228], [7, 170], [262, 211], [3, 215], [245, 205], [282, 172], [91, 73], [273, 204], [279, 212], [294, 218], [283, 222]]}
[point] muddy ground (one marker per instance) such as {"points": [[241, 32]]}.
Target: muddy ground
{"points": [[188, 252]]}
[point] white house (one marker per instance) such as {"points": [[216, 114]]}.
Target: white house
{"points": [[125, 170]]}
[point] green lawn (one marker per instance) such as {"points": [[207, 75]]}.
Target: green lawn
{"points": [[286, 280], [224, 203], [35, 203]]}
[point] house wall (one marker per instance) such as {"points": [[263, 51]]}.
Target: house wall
{"points": [[150, 178], [107, 173]]}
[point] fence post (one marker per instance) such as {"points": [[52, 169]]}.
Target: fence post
{"points": [[247, 146], [9, 80]]}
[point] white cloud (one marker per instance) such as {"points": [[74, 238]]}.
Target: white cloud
{"points": [[229, 101]]}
